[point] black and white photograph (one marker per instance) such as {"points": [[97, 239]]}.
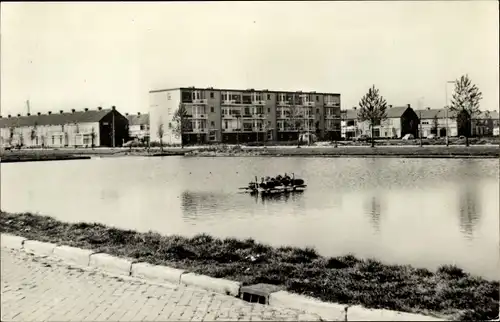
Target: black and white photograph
{"points": [[250, 161]]}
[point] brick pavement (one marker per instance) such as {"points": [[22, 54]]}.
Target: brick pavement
{"points": [[45, 289]]}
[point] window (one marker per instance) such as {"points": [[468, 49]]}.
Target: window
{"points": [[317, 98], [53, 139], [211, 94], [317, 111], [168, 96], [211, 109], [268, 97], [268, 110], [226, 125], [212, 124], [142, 127]]}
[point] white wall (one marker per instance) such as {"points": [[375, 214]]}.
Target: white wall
{"points": [[162, 107], [53, 135]]}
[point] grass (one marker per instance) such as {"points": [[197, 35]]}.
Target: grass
{"points": [[448, 292]]}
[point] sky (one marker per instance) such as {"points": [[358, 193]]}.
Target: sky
{"points": [[65, 55]]}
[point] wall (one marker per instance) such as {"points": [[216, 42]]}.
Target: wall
{"points": [[162, 107], [120, 129]]}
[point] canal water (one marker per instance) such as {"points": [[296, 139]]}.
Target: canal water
{"points": [[424, 212]]}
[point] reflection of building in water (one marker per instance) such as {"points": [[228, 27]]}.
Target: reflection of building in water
{"points": [[373, 209], [277, 198], [469, 209]]}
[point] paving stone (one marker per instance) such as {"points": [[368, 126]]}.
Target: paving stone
{"points": [[42, 288]]}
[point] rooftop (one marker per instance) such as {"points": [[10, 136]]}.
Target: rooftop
{"points": [[392, 112], [61, 118], [137, 119], [250, 90]]}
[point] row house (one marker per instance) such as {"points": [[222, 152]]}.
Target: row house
{"points": [[440, 121], [400, 120], [100, 127], [138, 126], [231, 116]]}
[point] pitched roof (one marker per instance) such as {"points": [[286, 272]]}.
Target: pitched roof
{"points": [[137, 119], [441, 113], [392, 112], [54, 119]]}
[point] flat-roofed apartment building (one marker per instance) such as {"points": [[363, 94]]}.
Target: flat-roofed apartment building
{"points": [[236, 115]]}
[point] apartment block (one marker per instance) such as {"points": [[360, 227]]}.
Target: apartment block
{"points": [[236, 115]]}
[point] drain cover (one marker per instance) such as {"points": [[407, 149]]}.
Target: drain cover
{"points": [[258, 293]]}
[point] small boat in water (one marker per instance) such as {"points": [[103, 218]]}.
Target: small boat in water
{"points": [[275, 185]]}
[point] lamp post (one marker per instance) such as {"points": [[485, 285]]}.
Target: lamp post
{"points": [[446, 109]]}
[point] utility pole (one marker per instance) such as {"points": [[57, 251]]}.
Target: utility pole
{"points": [[28, 106], [446, 109], [113, 130]]}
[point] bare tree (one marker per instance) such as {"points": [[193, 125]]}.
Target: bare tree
{"points": [[160, 135], [373, 109], [182, 122], [33, 133], [12, 130], [435, 125], [92, 137], [465, 103]]}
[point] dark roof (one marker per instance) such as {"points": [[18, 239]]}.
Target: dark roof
{"points": [[392, 112], [54, 118], [236, 90], [138, 119], [441, 113]]}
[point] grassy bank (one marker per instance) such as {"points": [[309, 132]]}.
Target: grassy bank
{"points": [[11, 158], [356, 151], [448, 292]]}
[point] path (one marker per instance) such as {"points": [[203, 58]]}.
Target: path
{"points": [[43, 289]]}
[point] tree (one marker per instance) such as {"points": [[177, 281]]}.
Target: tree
{"points": [[92, 137], [160, 135], [435, 125], [373, 109], [11, 134], [181, 121], [33, 133], [465, 103]]}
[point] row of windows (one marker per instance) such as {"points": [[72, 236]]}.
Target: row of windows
{"points": [[256, 110], [248, 98]]}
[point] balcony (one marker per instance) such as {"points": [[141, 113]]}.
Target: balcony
{"points": [[200, 116], [332, 104], [258, 103], [228, 102], [310, 104], [332, 117], [200, 101], [283, 103]]}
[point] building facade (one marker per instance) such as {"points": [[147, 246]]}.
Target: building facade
{"points": [[100, 127], [232, 116], [138, 126], [400, 120]]}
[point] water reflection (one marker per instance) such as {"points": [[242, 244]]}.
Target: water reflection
{"points": [[373, 209], [278, 198], [469, 209]]}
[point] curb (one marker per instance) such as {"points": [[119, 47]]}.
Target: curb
{"points": [[217, 285], [39, 248], [110, 263], [157, 273], [12, 242], [164, 274]]}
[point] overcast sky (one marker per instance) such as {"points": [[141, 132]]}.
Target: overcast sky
{"points": [[77, 55]]}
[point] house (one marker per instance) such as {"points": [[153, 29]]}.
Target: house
{"points": [[99, 127], [138, 126], [484, 123], [349, 123], [400, 121], [239, 115]]}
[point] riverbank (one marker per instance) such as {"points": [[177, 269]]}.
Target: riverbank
{"points": [[449, 292], [354, 151], [12, 158]]}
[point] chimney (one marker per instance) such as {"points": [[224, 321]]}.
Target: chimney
{"points": [[99, 108], [28, 114], [138, 113], [390, 106], [50, 112], [38, 113], [8, 116], [428, 108], [113, 107], [72, 110], [18, 115], [61, 111], [86, 109], [1, 116], [409, 105], [126, 114], [354, 107]]}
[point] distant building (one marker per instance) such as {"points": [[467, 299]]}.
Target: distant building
{"points": [[236, 115], [440, 121], [100, 127], [138, 126], [399, 122]]}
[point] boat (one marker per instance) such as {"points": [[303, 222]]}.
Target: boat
{"points": [[275, 185]]}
